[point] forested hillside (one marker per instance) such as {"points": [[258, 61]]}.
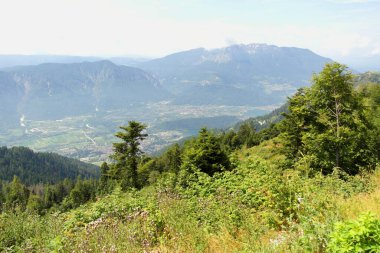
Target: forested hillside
{"points": [[308, 183], [33, 168]]}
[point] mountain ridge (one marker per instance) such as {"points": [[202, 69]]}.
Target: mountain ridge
{"points": [[259, 70], [55, 90]]}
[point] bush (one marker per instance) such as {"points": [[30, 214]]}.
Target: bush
{"points": [[362, 235]]}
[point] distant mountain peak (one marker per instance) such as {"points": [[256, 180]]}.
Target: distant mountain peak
{"points": [[256, 73]]}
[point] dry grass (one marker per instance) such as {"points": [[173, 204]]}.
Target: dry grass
{"points": [[352, 207]]}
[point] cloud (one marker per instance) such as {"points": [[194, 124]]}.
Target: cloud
{"points": [[376, 51], [107, 28]]}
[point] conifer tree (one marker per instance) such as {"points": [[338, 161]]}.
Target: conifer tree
{"points": [[127, 153], [104, 175], [206, 154], [174, 158]]}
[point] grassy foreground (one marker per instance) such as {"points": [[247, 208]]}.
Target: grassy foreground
{"points": [[258, 207]]}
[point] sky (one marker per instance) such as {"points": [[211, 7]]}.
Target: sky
{"points": [[339, 29]]}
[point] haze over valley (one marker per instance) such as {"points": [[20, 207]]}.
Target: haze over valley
{"points": [[74, 108], [200, 126]]}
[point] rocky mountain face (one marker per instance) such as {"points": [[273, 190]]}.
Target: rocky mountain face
{"points": [[253, 74], [52, 90]]}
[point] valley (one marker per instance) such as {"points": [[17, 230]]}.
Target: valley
{"points": [[74, 105], [89, 137], [190, 126]]}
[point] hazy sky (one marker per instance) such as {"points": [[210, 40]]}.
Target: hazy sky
{"points": [[332, 28]]}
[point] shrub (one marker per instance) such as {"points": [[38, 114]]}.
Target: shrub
{"points": [[362, 235]]}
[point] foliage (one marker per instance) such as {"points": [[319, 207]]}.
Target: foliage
{"points": [[83, 191], [44, 198], [326, 125], [33, 168], [371, 94], [16, 194], [362, 235], [221, 192], [127, 154], [27, 231], [247, 135], [262, 122], [256, 207], [205, 154]]}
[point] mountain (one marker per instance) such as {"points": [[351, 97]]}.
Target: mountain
{"points": [[253, 74], [33, 168], [367, 77], [10, 93], [7, 61], [53, 91]]}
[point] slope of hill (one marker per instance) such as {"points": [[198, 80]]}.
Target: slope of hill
{"points": [[33, 168], [367, 77], [237, 75], [53, 91], [10, 93], [264, 121]]}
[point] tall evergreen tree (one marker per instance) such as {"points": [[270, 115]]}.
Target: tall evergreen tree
{"points": [[206, 154], [104, 175], [127, 153], [174, 158]]}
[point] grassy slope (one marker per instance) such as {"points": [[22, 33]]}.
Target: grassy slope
{"points": [[257, 208]]}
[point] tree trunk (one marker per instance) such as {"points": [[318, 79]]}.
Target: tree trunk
{"points": [[337, 114]]}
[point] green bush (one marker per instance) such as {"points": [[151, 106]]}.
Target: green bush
{"points": [[362, 235]]}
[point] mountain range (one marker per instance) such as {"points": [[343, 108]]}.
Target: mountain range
{"points": [[8, 61], [254, 74], [54, 91]]}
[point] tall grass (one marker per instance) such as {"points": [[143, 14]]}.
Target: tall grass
{"points": [[259, 207]]}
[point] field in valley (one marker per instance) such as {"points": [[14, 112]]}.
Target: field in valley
{"points": [[90, 137]]}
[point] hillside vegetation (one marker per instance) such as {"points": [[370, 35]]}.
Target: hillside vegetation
{"points": [[309, 183], [33, 167]]}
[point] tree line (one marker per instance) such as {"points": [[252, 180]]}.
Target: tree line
{"points": [[38, 167], [327, 127]]}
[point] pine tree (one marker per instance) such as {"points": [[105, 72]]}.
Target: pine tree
{"points": [[174, 158], [127, 154], [104, 176], [206, 154]]}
